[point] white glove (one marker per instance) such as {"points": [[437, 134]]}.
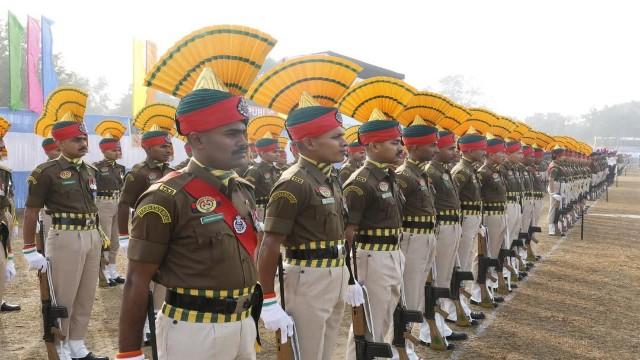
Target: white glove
{"points": [[482, 231], [123, 240], [10, 273], [354, 295], [35, 259], [275, 318], [557, 197]]}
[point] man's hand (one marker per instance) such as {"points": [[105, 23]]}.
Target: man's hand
{"points": [[35, 259], [354, 295], [275, 318], [123, 240], [10, 273]]}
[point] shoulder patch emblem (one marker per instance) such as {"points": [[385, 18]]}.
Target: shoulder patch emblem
{"points": [[401, 183], [165, 217], [361, 179], [31, 180], [167, 189], [130, 177], [297, 179], [354, 189], [281, 194]]}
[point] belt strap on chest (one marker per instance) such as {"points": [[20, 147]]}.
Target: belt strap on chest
{"points": [[199, 188]]}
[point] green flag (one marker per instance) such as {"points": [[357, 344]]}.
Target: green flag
{"points": [[16, 39]]}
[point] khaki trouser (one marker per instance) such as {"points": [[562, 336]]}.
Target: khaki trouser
{"points": [[313, 297], [538, 205], [419, 252], [179, 340], [75, 259], [108, 213], [496, 239], [3, 270], [381, 273], [468, 249], [447, 253], [512, 211], [527, 215]]}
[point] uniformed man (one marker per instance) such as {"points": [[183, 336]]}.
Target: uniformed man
{"points": [[264, 174], [305, 214], [109, 181], [374, 223], [494, 200], [50, 148], [355, 156], [7, 223], [67, 187], [472, 146], [157, 145], [418, 240], [448, 216], [185, 162], [509, 172], [538, 197], [193, 231], [527, 204], [554, 188], [281, 162]]}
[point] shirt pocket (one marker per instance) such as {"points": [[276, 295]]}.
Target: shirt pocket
{"points": [[215, 238], [328, 214]]}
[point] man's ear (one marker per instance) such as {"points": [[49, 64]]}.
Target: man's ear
{"points": [[309, 143], [194, 139]]}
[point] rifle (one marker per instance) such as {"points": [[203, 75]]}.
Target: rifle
{"points": [[151, 317], [484, 263], [431, 296], [502, 262], [365, 349], [456, 282], [290, 349], [401, 329], [51, 311]]}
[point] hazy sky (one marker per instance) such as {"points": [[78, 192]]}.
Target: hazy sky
{"points": [[526, 57]]}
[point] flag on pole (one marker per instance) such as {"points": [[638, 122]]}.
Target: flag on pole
{"points": [[49, 76], [16, 39], [33, 56]]}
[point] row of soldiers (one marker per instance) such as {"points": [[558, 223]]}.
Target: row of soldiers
{"points": [[410, 230]]}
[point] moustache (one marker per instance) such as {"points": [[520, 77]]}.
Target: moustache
{"points": [[240, 150]]}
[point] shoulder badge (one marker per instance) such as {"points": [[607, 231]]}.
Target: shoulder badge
{"points": [[281, 194], [354, 189], [361, 179], [167, 189], [299, 180], [165, 217]]}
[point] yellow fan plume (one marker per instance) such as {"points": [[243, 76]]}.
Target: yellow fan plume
{"points": [[161, 115], [351, 134], [324, 78], [456, 115], [62, 101], [234, 53], [386, 94], [111, 127], [431, 107], [260, 125]]}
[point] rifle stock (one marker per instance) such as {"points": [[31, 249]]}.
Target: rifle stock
{"points": [[401, 329]]}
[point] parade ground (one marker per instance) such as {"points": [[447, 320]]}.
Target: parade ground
{"points": [[579, 302]]}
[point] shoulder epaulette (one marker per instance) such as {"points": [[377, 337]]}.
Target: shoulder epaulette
{"points": [[44, 165]]}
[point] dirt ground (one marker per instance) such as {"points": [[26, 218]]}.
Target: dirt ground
{"points": [[581, 301]]}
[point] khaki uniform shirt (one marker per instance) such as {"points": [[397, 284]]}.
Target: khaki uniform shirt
{"points": [[110, 175], [416, 188], [373, 198], [183, 164], [346, 171], [193, 246], [306, 205], [62, 187], [262, 176], [511, 179], [466, 181], [493, 187], [139, 179], [446, 194]]}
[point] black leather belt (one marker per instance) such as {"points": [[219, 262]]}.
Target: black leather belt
{"points": [[74, 222], [448, 218], [494, 208], [418, 225], [107, 193], [313, 254], [208, 305], [370, 239], [471, 207]]}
